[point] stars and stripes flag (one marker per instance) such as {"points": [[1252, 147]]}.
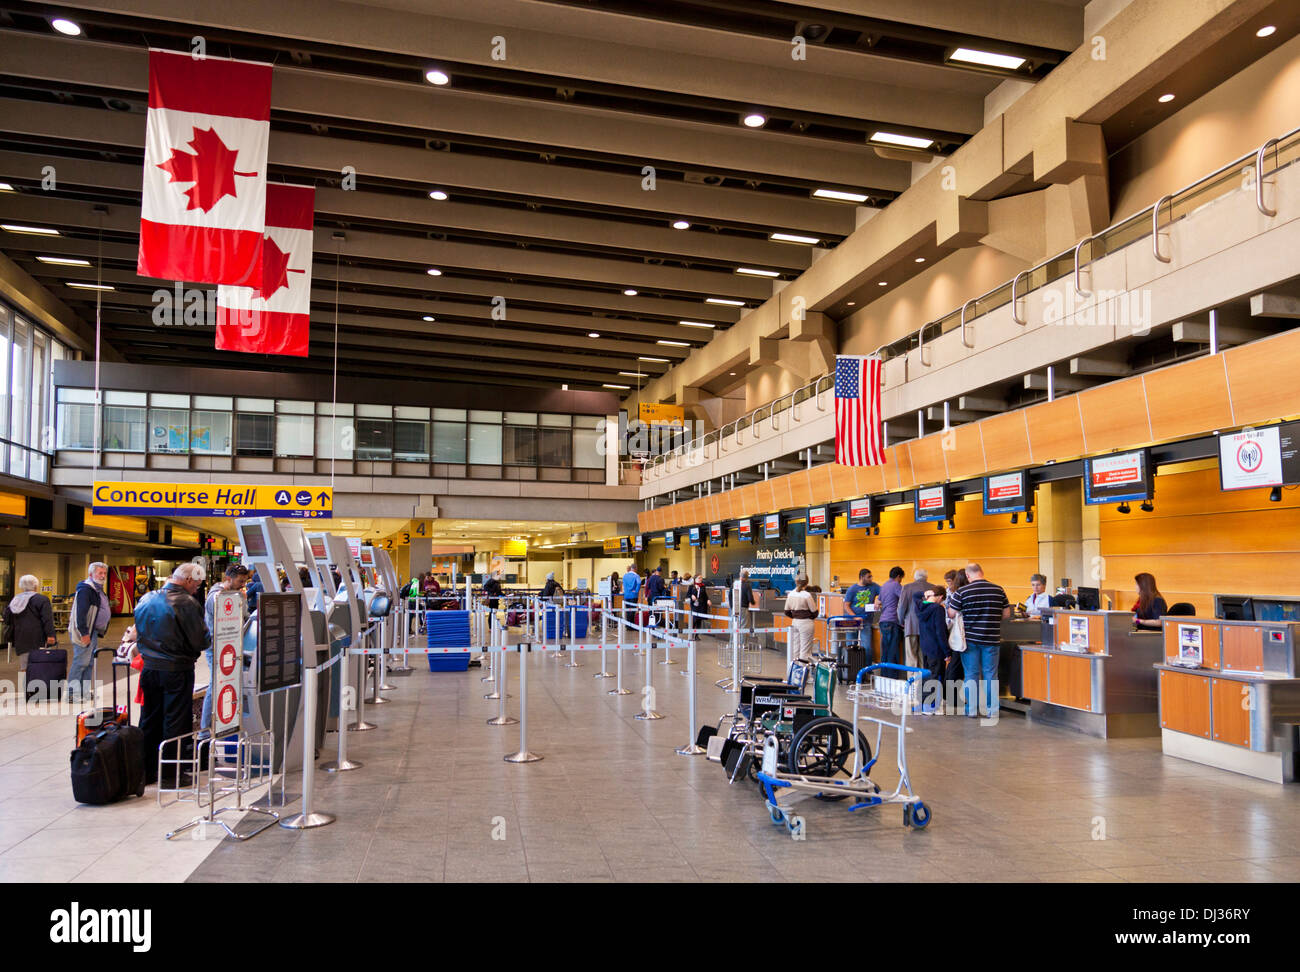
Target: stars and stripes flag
{"points": [[858, 439]]}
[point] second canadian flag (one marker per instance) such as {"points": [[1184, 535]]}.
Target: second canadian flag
{"points": [[274, 318]]}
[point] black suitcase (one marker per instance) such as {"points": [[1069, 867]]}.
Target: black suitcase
{"points": [[108, 765], [855, 659], [47, 673]]}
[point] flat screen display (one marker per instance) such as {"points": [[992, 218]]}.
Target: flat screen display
{"points": [[818, 525], [745, 530], [318, 548], [772, 526], [861, 513], [354, 548], [1263, 457], [638, 542], [623, 544], [670, 539], [367, 556], [716, 534], [1118, 477], [933, 503], [695, 536], [1008, 493], [254, 541]]}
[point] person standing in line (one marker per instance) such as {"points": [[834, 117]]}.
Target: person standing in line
{"points": [[983, 606], [801, 609], [857, 599], [911, 625], [891, 632], [744, 602], [631, 591], [492, 593], [28, 624], [697, 603], [232, 582], [89, 620], [932, 619]]}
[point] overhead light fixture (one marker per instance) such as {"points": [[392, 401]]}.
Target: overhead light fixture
{"points": [[65, 26], [436, 76], [681, 224], [1123, 508], [28, 230], [883, 283], [1015, 518], [1266, 31], [629, 292], [905, 141], [593, 334], [793, 238], [951, 524], [839, 195], [696, 324], [434, 272], [64, 261], [564, 388], [920, 259], [620, 387], [642, 357], [674, 344], [631, 374], [87, 286], [6, 187], [756, 272], [724, 301], [967, 55], [437, 194], [733, 374], [1146, 506], [428, 317], [852, 303], [755, 120], [1164, 99]]}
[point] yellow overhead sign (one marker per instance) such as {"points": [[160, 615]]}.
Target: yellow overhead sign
{"points": [[657, 413], [212, 499]]}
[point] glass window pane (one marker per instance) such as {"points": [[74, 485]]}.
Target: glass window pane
{"points": [[519, 446], [77, 395], [449, 414], [18, 382], [586, 451], [449, 441], [255, 404], [76, 426], [124, 429], [125, 398], [476, 416], [411, 441], [485, 444], [521, 418], [217, 402], [588, 421], [554, 447], [37, 437], [295, 408], [210, 432], [169, 401], [557, 421], [295, 435], [334, 437], [375, 411], [254, 435], [410, 412], [169, 430], [333, 408], [374, 438]]}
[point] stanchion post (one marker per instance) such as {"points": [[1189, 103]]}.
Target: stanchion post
{"points": [[648, 712], [690, 749], [498, 646], [522, 755], [308, 818], [573, 638], [618, 686], [736, 647]]}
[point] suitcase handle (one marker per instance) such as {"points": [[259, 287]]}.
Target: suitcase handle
{"points": [[127, 664]]}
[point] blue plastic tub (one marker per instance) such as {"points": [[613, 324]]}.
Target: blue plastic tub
{"points": [[453, 662]]}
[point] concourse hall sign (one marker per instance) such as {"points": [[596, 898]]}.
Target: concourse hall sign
{"points": [[212, 499]]}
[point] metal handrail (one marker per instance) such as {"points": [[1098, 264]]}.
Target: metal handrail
{"points": [[1155, 226], [1259, 178], [1077, 289], [964, 342], [1014, 280]]}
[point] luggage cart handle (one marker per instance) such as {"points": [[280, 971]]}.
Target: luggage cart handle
{"points": [[898, 668]]}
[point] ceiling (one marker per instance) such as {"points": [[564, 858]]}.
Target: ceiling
{"points": [[450, 531], [554, 113]]}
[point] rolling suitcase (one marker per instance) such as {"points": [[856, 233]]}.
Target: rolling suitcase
{"points": [[92, 720], [108, 765], [47, 673]]}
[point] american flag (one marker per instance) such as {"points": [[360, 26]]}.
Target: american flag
{"points": [[857, 411]]}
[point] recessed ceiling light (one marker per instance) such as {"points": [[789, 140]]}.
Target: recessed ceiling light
{"points": [[674, 344], [755, 272], [6, 187], [755, 120], [1266, 31], [593, 334], [428, 317], [642, 357], [28, 230], [435, 76], [968, 55], [681, 224], [906, 141], [884, 283], [64, 261], [733, 374], [65, 26], [793, 238], [724, 301], [629, 292], [87, 286], [434, 272], [696, 324], [437, 194], [840, 195], [621, 387], [1164, 99], [852, 303], [920, 259]]}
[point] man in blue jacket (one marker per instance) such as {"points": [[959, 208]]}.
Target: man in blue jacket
{"points": [[631, 590], [89, 620]]}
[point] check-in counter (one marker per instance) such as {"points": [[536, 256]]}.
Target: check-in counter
{"points": [[1093, 673], [1240, 709]]}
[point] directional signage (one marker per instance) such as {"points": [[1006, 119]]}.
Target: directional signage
{"points": [[212, 499]]}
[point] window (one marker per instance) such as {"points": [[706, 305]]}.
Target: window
{"points": [[554, 447], [254, 435], [374, 438], [519, 446], [210, 433], [449, 440], [587, 448], [124, 428], [411, 441], [295, 434], [485, 444], [485, 417], [335, 436], [169, 430], [20, 384], [557, 421]]}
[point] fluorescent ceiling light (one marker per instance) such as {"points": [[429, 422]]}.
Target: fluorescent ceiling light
{"points": [[434, 272], [793, 238], [428, 317], [642, 357], [840, 196], [435, 76], [28, 230], [629, 292], [681, 224], [674, 344], [437, 194], [64, 261], [65, 26], [696, 324], [967, 55], [884, 283], [724, 301], [621, 387], [88, 286], [755, 272], [631, 374], [906, 141], [755, 120], [593, 334]]}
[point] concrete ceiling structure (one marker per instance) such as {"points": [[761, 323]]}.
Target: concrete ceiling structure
{"points": [[542, 141]]}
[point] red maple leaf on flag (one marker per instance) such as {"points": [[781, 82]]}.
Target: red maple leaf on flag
{"points": [[211, 168], [275, 269]]}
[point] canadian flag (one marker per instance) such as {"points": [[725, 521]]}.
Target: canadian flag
{"points": [[274, 317], [204, 198]]}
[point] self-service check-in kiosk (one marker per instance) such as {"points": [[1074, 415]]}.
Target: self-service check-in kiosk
{"points": [[348, 619]]}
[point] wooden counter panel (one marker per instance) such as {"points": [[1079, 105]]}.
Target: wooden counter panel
{"points": [[1209, 642], [1243, 648], [1188, 399], [1185, 703], [1070, 680], [1261, 378], [966, 457], [1114, 415], [1033, 675], [1096, 633], [1229, 700], [1005, 441], [1055, 430]]}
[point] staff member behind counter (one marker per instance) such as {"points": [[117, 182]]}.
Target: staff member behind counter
{"points": [[1039, 599], [1150, 606]]}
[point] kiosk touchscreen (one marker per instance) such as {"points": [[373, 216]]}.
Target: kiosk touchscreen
{"points": [[348, 611]]}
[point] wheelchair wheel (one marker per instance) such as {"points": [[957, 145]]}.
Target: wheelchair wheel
{"points": [[824, 747]]}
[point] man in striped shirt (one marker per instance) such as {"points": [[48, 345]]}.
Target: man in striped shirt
{"points": [[983, 606]]}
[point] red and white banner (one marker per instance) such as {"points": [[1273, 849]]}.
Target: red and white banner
{"points": [[274, 318], [204, 201], [858, 437]]}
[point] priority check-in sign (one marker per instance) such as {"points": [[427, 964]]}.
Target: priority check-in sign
{"points": [[227, 664]]}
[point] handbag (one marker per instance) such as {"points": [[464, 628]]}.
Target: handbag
{"points": [[957, 634]]}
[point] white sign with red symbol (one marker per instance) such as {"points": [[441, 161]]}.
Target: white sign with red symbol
{"points": [[227, 664], [1118, 470], [930, 500], [1006, 487], [1249, 458]]}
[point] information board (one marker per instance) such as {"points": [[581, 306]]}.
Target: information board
{"points": [[818, 525], [207, 499], [717, 534], [772, 526], [638, 542], [227, 663], [695, 536], [1008, 493], [279, 641], [933, 503], [861, 514], [1116, 478], [670, 539], [1263, 457], [745, 530]]}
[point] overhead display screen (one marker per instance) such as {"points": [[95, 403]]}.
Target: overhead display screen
{"points": [[745, 530], [670, 539], [1116, 478], [1263, 457], [933, 503], [717, 533], [695, 536], [318, 548], [1008, 493], [861, 513], [772, 526], [818, 525], [638, 542]]}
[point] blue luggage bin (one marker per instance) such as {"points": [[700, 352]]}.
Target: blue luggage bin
{"points": [[552, 612], [581, 621]]}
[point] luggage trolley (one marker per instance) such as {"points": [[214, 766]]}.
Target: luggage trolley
{"points": [[858, 786]]}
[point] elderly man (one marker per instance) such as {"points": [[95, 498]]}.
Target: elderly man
{"points": [[89, 620], [909, 618], [171, 635]]}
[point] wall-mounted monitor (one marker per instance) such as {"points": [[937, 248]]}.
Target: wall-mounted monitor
{"points": [[1266, 457], [696, 536], [624, 544], [933, 503], [862, 514], [772, 526], [1118, 477], [717, 534], [670, 539], [1008, 493], [638, 542], [818, 522], [745, 530]]}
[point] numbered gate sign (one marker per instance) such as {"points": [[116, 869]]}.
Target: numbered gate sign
{"points": [[227, 664]]}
